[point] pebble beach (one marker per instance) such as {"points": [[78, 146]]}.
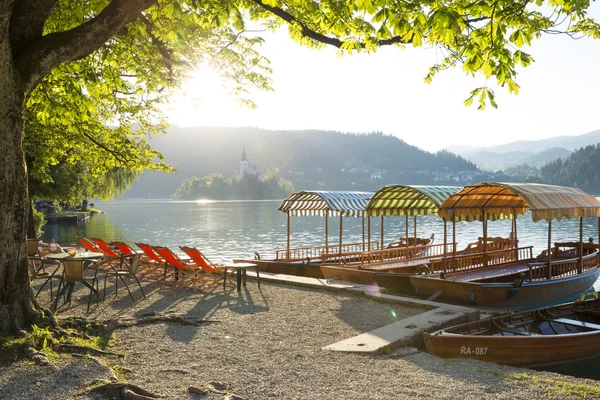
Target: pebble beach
{"points": [[268, 344]]}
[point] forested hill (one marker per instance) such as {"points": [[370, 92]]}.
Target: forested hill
{"points": [[580, 169], [310, 159]]}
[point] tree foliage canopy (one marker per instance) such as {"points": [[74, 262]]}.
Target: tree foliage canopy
{"points": [[97, 110]]}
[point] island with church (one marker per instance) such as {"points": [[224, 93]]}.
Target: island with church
{"points": [[246, 184]]}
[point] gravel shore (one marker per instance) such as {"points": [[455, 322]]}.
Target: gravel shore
{"points": [[267, 344]]}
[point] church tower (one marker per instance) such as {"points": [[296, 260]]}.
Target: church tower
{"points": [[243, 163]]}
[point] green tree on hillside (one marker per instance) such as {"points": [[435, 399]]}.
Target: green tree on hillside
{"points": [[82, 65], [580, 169]]}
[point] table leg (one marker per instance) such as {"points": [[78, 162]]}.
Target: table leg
{"points": [[224, 278], [239, 279], [257, 277], [244, 275]]}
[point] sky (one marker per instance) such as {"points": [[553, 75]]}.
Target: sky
{"points": [[385, 91]]}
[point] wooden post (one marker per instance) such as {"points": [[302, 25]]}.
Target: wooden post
{"points": [[445, 239], [326, 231], [363, 233], [549, 249], [485, 261], [415, 229], [382, 232], [288, 235], [406, 237], [580, 268], [516, 240], [453, 236], [341, 219], [369, 231]]}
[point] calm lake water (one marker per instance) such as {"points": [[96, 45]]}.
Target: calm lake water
{"points": [[236, 229], [226, 229]]}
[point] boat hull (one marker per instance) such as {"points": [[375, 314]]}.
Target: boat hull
{"points": [[530, 351], [396, 283], [507, 295], [348, 274], [310, 270]]}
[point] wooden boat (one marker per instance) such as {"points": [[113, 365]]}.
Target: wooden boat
{"points": [[391, 266], [520, 285], [552, 335], [519, 282], [307, 261]]}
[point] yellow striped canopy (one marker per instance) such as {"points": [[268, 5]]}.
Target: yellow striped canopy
{"points": [[408, 199], [499, 201]]}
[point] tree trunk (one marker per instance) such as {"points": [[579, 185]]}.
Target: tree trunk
{"points": [[17, 305], [84, 205]]}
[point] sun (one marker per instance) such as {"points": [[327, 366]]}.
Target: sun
{"points": [[203, 100]]}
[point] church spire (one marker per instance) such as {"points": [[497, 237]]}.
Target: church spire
{"points": [[244, 154]]}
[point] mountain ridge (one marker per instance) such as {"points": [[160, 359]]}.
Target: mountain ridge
{"points": [[310, 159]]}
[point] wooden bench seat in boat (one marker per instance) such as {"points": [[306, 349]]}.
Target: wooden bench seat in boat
{"points": [[516, 332], [574, 322]]}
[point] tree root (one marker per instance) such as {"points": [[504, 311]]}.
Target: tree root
{"points": [[127, 391], [155, 318], [72, 348], [107, 326]]}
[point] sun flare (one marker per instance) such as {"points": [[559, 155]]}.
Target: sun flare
{"points": [[203, 100]]}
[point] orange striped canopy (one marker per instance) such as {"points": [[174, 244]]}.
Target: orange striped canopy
{"points": [[504, 200]]}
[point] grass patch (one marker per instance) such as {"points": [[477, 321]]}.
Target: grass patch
{"points": [[46, 341], [555, 388], [120, 373]]}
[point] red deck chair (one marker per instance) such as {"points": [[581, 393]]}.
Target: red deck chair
{"points": [[88, 244], [151, 254], [127, 250], [107, 260], [123, 260], [106, 249], [189, 270], [200, 259], [124, 248]]}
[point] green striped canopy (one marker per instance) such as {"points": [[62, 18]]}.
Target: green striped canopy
{"points": [[409, 199]]}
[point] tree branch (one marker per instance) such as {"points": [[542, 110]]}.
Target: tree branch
{"points": [[319, 37], [49, 51], [161, 47], [27, 22]]}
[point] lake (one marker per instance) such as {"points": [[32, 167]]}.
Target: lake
{"points": [[236, 229]]}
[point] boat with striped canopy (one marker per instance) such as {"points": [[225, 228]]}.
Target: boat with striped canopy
{"points": [[391, 265], [513, 278], [306, 261], [566, 333]]}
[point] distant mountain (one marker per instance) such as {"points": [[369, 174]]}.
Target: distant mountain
{"points": [[533, 152], [493, 161], [544, 157], [310, 159], [535, 146]]}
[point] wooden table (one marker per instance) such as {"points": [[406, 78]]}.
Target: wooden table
{"points": [[87, 255], [79, 256], [241, 269]]}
